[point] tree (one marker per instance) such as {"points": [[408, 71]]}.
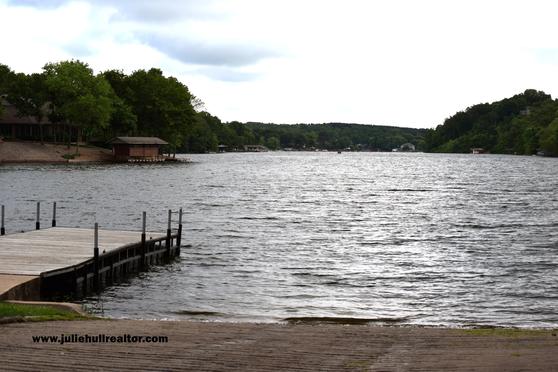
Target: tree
{"points": [[273, 143], [197, 104], [78, 98], [6, 77], [511, 125], [162, 105], [123, 120], [29, 95], [549, 138], [311, 139], [200, 138], [119, 82]]}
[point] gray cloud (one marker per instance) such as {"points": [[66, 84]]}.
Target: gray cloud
{"points": [[141, 10], [227, 74], [206, 53], [162, 10], [37, 3], [154, 15]]}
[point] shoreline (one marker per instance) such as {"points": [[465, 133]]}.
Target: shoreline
{"points": [[29, 152], [337, 321], [247, 346], [32, 152], [79, 309]]}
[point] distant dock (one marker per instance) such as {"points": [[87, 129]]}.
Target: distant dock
{"points": [[62, 261]]}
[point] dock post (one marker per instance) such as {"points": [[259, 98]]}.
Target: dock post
{"points": [[142, 263], [179, 236], [96, 259], [2, 229], [54, 214], [38, 222], [169, 235]]}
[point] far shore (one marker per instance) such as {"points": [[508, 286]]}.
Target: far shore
{"points": [[214, 346]]}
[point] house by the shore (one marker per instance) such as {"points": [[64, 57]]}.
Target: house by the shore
{"points": [[25, 127]]}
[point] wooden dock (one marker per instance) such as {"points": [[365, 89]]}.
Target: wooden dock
{"points": [[73, 262]]}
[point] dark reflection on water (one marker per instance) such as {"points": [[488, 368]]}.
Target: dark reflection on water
{"points": [[417, 238]]}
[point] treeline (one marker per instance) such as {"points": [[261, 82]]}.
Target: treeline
{"points": [[147, 103], [208, 132], [333, 136], [523, 124], [102, 106]]}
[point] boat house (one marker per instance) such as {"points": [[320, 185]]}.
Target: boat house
{"points": [[137, 148]]}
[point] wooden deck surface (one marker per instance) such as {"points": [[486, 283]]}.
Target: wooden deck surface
{"points": [[7, 282], [39, 251]]}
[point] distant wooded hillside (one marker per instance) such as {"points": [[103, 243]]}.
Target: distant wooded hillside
{"points": [[333, 136], [72, 99], [526, 123], [69, 97]]}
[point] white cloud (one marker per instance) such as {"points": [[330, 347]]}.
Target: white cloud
{"points": [[400, 62]]}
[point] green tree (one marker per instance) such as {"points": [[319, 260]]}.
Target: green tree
{"points": [[123, 120], [118, 80], [511, 125], [6, 77], [273, 143], [549, 138], [162, 105], [200, 137], [29, 95], [78, 98]]}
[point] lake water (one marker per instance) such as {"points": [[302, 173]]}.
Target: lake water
{"points": [[418, 238]]}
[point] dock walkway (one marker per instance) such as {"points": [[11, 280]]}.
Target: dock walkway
{"points": [[61, 260], [40, 251]]}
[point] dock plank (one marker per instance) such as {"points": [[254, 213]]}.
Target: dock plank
{"points": [[39, 251]]}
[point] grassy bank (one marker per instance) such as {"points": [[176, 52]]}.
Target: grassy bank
{"points": [[510, 332], [27, 312]]}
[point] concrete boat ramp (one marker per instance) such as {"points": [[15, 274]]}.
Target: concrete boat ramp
{"points": [[61, 261]]}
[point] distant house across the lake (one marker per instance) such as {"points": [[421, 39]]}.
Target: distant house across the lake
{"points": [[406, 147], [137, 148], [478, 150], [255, 148]]}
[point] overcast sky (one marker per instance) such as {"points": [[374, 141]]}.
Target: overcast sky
{"points": [[397, 62]]}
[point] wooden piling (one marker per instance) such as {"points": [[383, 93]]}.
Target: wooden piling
{"points": [[179, 235], [144, 223], [96, 259], [54, 214], [38, 221], [168, 241], [2, 229]]}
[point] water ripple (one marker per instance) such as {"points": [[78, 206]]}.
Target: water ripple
{"points": [[422, 239]]}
